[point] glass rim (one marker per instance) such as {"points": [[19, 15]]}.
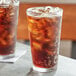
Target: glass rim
{"points": [[60, 11], [9, 2]]}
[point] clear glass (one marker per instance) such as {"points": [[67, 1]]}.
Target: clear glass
{"points": [[8, 25], [44, 25]]}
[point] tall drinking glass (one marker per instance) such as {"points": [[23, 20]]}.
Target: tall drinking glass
{"points": [[44, 25], [8, 24]]}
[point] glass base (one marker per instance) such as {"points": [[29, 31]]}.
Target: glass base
{"points": [[6, 56], [45, 69]]}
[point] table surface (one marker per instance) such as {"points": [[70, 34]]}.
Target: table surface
{"points": [[22, 67]]}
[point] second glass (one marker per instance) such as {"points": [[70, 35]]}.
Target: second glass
{"points": [[8, 25], [44, 25]]}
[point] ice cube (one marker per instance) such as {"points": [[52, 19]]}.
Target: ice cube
{"points": [[39, 38], [5, 33], [3, 42], [46, 40], [30, 27], [33, 28], [31, 20], [43, 21], [35, 31], [12, 14], [10, 41], [50, 32], [2, 11], [37, 45], [10, 36], [49, 20], [1, 29], [50, 52]]}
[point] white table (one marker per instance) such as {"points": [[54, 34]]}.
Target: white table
{"points": [[66, 66]]}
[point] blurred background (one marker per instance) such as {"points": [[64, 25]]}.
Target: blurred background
{"points": [[68, 33]]}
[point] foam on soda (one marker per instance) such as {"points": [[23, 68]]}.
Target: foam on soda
{"points": [[47, 11]]}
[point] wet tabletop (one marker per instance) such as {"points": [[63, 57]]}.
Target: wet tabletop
{"points": [[22, 67]]}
